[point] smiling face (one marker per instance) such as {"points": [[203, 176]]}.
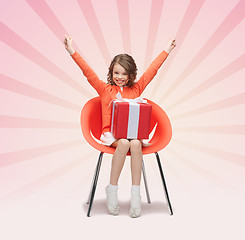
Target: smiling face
{"points": [[119, 75], [122, 71]]}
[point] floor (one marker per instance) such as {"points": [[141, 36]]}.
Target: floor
{"points": [[58, 210]]}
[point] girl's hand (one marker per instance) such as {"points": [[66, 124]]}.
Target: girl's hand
{"points": [[68, 44], [171, 45]]}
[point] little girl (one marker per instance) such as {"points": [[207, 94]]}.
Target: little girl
{"points": [[121, 78]]}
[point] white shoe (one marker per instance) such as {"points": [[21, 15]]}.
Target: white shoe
{"points": [[112, 201]]}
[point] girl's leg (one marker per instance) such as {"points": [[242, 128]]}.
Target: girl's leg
{"points": [[136, 166], [136, 161], [118, 159]]}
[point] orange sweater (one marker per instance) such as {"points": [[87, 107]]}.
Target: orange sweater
{"points": [[108, 92]]}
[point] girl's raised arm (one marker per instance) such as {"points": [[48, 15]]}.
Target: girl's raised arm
{"points": [[91, 76], [151, 71]]}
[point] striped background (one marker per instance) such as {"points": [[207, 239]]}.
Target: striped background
{"points": [[45, 161]]}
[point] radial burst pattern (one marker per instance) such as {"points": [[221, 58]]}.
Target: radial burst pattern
{"points": [[201, 86]]}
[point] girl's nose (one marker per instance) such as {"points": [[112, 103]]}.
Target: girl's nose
{"points": [[120, 76]]}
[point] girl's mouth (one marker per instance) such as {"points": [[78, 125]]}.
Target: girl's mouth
{"points": [[120, 81]]}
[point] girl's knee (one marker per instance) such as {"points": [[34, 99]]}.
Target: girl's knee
{"points": [[135, 145], [123, 143]]}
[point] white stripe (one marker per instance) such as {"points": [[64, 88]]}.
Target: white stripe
{"points": [[133, 120]]}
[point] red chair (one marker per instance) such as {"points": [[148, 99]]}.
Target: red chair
{"points": [[91, 128]]}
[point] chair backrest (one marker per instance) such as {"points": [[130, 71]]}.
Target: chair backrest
{"points": [[91, 125]]}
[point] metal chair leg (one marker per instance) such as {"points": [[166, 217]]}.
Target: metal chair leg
{"points": [[95, 180], [145, 181], [89, 196], [164, 184]]}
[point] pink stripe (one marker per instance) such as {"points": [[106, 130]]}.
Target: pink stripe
{"points": [[156, 11], [123, 13], [20, 122], [20, 45], [91, 18], [232, 20], [227, 129], [228, 102], [26, 90], [45, 180], [227, 156], [46, 14], [23, 155], [224, 73], [190, 15]]}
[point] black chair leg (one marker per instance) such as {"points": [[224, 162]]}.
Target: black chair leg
{"points": [[94, 184], [89, 196], [164, 184]]}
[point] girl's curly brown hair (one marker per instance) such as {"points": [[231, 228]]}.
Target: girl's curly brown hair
{"points": [[128, 63]]}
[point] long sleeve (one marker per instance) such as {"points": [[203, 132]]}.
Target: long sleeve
{"points": [[151, 71], [91, 76]]}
